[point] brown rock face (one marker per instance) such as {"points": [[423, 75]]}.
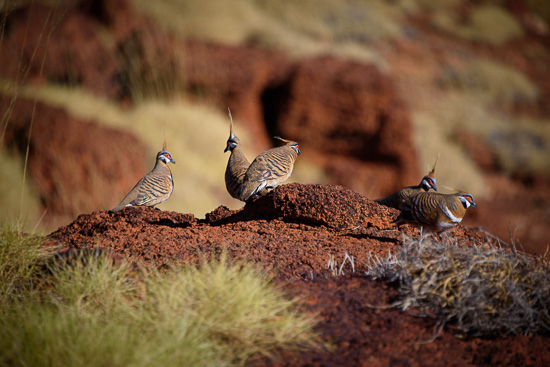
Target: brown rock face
{"points": [[76, 166], [349, 115], [57, 44], [236, 76], [293, 232], [308, 204]]}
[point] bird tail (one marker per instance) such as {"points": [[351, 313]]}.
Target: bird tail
{"points": [[454, 189], [281, 139]]}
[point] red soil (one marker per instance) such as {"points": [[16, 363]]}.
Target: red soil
{"points": [[293, 232]]}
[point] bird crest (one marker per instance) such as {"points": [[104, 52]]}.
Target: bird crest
{"points": [[164, 149], [432, 172], [292, 144], [230, 123]]}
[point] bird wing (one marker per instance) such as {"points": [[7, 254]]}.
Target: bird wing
{"points": [[427, 209], [274, 168], [130, 198], [451, 211], [154, 188], [419, 208], [269, 169]]}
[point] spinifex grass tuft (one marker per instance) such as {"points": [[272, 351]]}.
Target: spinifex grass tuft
{"points": [[242, 313], [91, 310], [19, 258], [483, 290]]}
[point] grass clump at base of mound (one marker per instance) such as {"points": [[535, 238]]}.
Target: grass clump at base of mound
{"points": [[91, 310], [482, 290], [19, 259]]}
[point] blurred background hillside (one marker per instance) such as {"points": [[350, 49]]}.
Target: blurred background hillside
{"points": [[373, 90]]}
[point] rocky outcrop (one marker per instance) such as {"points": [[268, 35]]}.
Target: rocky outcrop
{"points": [[295, 228], [57, 44], [349, 115], [75, 165]]}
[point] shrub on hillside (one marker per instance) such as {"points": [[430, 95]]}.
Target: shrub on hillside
{"points": [[483, 290]]}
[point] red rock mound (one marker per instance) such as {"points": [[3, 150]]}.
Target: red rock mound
{"points": [[293, 232], [291, 229]]}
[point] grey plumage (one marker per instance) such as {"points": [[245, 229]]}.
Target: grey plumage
{"points": [[155, 187], [269, 169], [237, 164]]}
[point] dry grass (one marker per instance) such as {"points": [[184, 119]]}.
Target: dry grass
{"points": [[114, 314], [19, 258], [19, 204], [476, 99], [217, 20], [339, 269], [491, 82], [487, 23], [482, 290], [301, 29]]}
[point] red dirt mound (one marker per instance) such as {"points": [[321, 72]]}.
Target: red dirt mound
{"points": [[293, 232], [266, 231]]}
